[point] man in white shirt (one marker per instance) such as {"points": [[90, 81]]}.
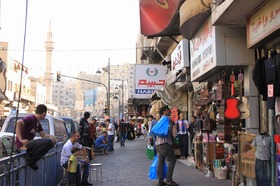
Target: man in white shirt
{"points": [[111, 135], [66, 153]]}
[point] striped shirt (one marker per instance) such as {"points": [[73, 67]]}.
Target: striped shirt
{"points": [[182, 126]]}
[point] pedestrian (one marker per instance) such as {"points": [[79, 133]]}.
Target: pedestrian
{"points": [[192, 131], [182, 126], [92, 130], [150, 119], [130, 130], [153, 137], [139, 130], [99, 130], [122, 132], [26, 129], [72, 167], [144, 132], [92, 136], [116, 124], [84, 161], [165, 152], [111, 135], [263, 158], [84, 130], [101, 143]]}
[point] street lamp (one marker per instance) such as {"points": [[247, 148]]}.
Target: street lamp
{"points": [[108, 90], [122, 96], [117, 98]]}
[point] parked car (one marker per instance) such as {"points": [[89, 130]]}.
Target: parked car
{"points": [[72, 126], [51, 125]]}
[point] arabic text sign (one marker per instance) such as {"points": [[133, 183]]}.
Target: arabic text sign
{"points": [[180, 56], [263, 22], [203, 50], [148, 78]]}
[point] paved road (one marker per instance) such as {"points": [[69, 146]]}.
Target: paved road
{"points": [[129, 166]]}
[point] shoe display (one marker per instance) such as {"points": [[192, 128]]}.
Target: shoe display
{"points": [[173, 183]]}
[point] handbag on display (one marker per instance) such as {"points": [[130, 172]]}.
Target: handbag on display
{"points": [[161, 128]]}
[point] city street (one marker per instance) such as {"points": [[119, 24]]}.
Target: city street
{"points": [[129, 166]]}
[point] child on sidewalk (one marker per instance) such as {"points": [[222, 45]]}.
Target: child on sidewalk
{"points": [[72, 166]]}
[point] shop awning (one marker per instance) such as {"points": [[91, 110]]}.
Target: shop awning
{"points": [[193, 13], [170, 96], [159, 18]]}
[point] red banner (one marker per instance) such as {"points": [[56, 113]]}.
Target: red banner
{"points": [[156, 15]]}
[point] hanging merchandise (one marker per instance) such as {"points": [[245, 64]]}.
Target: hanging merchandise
{"points": [[243, 101], [258, 74], [232, 111]]}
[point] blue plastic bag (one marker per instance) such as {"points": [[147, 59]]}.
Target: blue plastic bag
{"points": [[161, 128], [153, 169]]}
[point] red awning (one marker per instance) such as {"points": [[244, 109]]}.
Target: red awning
{"points": [[157, 15]]}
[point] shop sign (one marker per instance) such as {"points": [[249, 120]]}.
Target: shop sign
{"points": [[180, 56], [148, 78], [263, 22], [203, 50]]}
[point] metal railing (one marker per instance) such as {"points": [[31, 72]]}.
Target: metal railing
{"points": [[49, 172]]}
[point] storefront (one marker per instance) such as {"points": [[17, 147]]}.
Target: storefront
{"points": [[220, 65], [263, 35]]}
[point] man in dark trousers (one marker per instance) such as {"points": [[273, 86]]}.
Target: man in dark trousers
{"points": [[122, 132], [165, 151], [26, 129], [192, 131], [84, 130]]}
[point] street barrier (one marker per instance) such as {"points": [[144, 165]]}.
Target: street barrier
{"points": [[13, 171]]}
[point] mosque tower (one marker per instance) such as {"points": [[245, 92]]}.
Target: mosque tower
{"points": [[48, 75]]}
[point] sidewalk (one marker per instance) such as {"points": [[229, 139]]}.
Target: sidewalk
{"points": [[129, 166]]}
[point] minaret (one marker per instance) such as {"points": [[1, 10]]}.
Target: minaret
{"points": [[48, 75]]}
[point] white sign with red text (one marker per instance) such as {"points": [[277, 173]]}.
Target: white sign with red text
{"points": [[180, 56], [148, 78], [203, 50]]}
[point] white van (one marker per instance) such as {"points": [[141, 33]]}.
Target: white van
{"points": [[51, 125]]}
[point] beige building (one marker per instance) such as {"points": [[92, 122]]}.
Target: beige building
{"points": [[81, 87], [63, 97]]}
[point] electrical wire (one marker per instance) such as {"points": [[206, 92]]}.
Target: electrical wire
{"points": [[20, 87], [83, 50]]}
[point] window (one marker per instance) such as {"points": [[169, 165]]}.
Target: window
{"points": [[60, 130], [44, 123]]}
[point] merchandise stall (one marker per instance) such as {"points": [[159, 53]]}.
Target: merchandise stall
{"points": [[216, 135]]}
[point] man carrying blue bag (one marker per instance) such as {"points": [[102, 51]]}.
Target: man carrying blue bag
{"points": [[164, 147]]}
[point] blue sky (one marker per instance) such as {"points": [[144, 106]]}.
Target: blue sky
{"points": [[86, 32]]}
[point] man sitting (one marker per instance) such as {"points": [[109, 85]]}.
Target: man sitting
{"points": [[66, 153], [101, 143]]}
